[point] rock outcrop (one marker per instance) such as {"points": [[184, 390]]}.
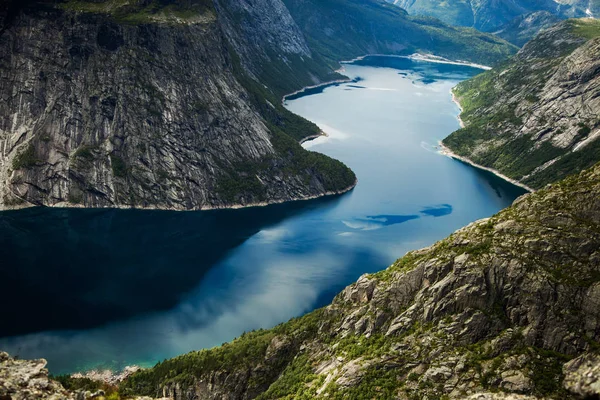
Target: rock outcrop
{"points": [[536, 118], [505, 308]]}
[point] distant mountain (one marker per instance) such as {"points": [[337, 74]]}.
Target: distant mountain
{"points": [[525, 27], [536, 118], [344, 29], [491, 15]]}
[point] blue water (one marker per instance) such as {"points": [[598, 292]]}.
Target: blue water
{"points": [[108, 288]]}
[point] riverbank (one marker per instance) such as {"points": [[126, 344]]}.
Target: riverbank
{"points": [[422, 57], [455, 101], [312, 137], [323, 85], [442, 149], [203, 208], [445, 151]]}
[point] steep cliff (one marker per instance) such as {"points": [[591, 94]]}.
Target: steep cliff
{"points": [[139, 108], [536, 118], [508, 304]]}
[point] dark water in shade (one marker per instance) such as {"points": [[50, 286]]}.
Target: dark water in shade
{"points": [[108, 288]]}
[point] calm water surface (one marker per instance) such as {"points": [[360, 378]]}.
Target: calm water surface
{"points": [[108, 288]]}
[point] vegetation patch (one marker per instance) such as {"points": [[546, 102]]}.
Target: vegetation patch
{"points": [[138, 12], [86, 384], [119, 168], [587, 28], [26, 159]]}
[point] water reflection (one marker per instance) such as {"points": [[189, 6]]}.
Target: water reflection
{"points": [[74, 269]]}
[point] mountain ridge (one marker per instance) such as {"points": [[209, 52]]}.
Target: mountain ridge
{"points": [[534, 118]]}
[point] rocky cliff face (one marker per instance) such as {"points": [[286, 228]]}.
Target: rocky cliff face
{"points": [[537, 117], [507, 305], [141, 111]]}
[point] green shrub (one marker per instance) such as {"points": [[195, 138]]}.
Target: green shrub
{"points": [[119, 168]]}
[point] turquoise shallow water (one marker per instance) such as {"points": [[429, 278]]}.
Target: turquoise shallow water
{"points": [[109, 288]]}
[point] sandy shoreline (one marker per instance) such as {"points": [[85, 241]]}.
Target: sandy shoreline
{"points": [[445, 151], [422, 57], [455, 100]]}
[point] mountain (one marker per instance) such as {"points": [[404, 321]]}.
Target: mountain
{"points": [[140, 106], [491, 15], [176, 104], [508, 304], [345, 29], [535, 118], [525, 27]]}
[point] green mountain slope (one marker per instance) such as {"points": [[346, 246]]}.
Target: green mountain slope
{"points": [[508, 304], [491, 15], [344, 29], [535, 118]]}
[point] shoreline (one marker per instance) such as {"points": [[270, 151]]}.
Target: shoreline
{"points": [[455, 101], [312, 137], [66, 205], [445, 151], [415, 56], [319, 85], [422, 57]]}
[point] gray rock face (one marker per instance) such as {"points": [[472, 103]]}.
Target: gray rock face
{"points": [[97, 113], [582, 375], [28, 380], [267, 27]]}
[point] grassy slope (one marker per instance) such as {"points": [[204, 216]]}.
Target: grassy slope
{"points": [[490, 118]]}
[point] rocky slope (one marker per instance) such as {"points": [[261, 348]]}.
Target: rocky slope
{"points": [[28, 380], [508, 305], [536, 118], [139, 109]]}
